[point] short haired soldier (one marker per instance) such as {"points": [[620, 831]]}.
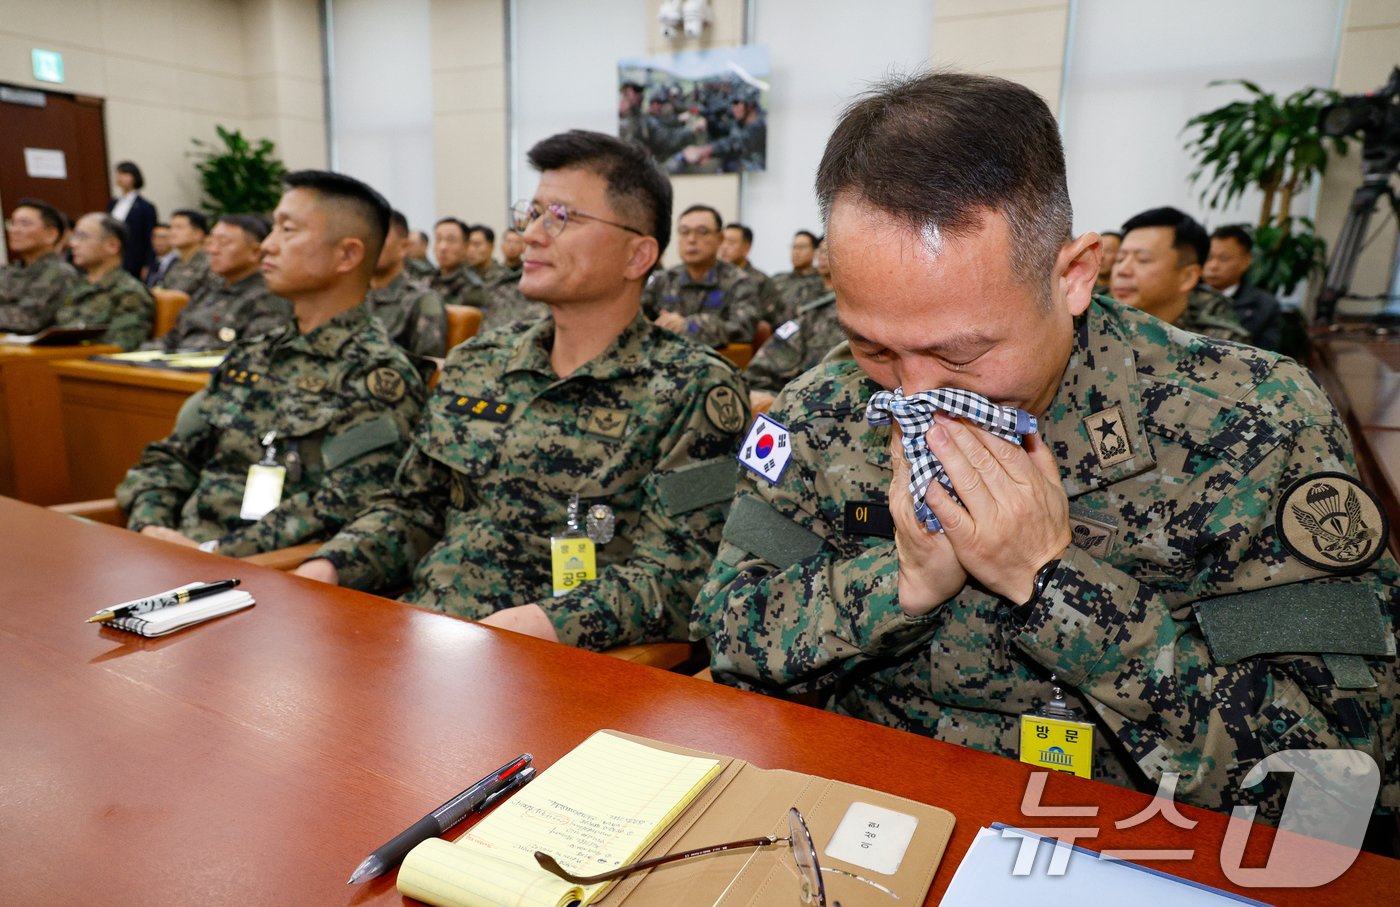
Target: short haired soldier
{"points": [[107, 295], [35, 282], [569, 478], [454, 282], [298, 428], [411, 314], [797, 344], [802, 284], [708, 300], [416, 258], [1158, 270], [234, 301], [190, 271], [1152, 522]]}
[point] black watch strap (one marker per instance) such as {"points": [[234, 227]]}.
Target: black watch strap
{"points": [[1022, 612]]}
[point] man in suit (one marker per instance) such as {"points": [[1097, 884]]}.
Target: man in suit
{"points": [[1231, 254], [137, 214]]}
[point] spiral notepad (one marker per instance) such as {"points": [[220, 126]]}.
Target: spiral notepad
{"points": [[167, 620]]}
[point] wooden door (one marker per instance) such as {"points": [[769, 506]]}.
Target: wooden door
{"points": [[52, 123]]}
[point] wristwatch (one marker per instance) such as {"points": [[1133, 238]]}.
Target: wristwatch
{"points": [[1022, 612]]}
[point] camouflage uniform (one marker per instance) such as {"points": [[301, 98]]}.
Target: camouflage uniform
{"points": [[506, 305], [342, 399], [1210, 312], [1175, 452], [455, 287], [118, 300], [219, 314], [30, 296], [770, 305], [647, 428], [419, 269], [720, 308], [412, 315], [479, 294], [795, 290], [796, 346], [744, 148], [190, 276]]}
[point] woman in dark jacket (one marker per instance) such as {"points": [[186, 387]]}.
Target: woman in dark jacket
{"points": [[138, 214]]}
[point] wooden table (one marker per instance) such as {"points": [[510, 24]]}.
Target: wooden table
{"points": [[257, 759], [33, 466], [110, 413]]}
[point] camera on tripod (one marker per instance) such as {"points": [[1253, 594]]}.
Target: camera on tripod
{"points": [[1376, 116]]}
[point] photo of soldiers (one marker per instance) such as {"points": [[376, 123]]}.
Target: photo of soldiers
{"points": [[698, 112]]}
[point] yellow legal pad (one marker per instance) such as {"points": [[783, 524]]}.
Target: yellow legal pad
{"points": [[600, 806]]}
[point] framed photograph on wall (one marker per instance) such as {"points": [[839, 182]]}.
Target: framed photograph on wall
{"points": [[699, 111]]}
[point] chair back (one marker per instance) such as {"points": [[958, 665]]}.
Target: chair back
{"points": [[463, 321], [168, 306]]}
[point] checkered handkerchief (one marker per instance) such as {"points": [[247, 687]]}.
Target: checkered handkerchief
{"points": [[915, 417]]}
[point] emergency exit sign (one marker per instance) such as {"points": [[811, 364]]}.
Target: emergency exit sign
{"points": [[48, 65]]}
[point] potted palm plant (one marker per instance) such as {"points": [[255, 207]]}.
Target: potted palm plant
{"points": [[1276, 146], [238, 176]]}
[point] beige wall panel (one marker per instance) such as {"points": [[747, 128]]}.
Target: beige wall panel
{"points": [[469, 150], [77, 23], [474, 88], [296, 29], [468, 33], [1368, 55], [208, 36], [1023, 41], [210, 93], [152, 136], [136, 27], [130, 79], [720, 192], [1370, 13], [952, 9]]}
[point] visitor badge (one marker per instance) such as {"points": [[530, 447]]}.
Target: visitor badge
{"points": [[1058, 743], [263, 491], [572, 561]]}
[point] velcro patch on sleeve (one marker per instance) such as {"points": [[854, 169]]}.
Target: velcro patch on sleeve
{"points": [[760, 530], [1308, 618], [358, 440], [697, 485]]}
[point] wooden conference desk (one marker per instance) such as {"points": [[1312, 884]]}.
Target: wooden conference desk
{"points": [[32, 463], [257, 759], [110, 413]]}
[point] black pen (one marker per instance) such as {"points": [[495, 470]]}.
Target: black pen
{"points": [[164, 600], [480, 796]]}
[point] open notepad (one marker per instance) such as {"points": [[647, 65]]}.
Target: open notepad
{"points": [[600, 806], [167, 620], [627, 798]]}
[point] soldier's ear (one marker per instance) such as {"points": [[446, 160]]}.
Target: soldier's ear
{"points": [[1077, 269], [349, 254], [644, 253]]}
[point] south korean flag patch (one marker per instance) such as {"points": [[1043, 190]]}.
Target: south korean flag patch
{"points": [[766, 449]]}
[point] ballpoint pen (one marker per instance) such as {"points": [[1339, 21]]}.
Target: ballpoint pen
{"points": [[177, 596], [480, 796]]}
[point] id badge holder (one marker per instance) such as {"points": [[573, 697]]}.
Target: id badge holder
{"points": [[572, 555], [263, 490], [1054, 737]]}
